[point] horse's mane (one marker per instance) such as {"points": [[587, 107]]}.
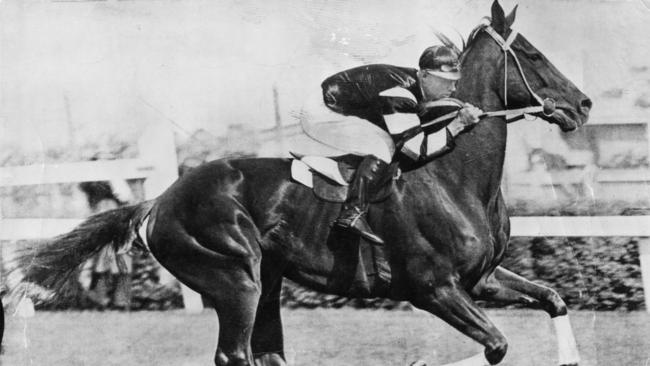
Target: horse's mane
{"points": [[472, 37], [466, 45]]}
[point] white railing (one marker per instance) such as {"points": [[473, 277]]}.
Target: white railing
{"points": [[157, 165], [576, 176], [592, 226]]}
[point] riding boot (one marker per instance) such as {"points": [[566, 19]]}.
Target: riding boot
{"points": [[98, 294], [353, 216], [122, 293]]}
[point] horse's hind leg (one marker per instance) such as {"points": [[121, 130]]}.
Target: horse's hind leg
{"points": [[452, 304], [507, 287], [235, 297], [225, 267], [268, 341], [236, 319]]}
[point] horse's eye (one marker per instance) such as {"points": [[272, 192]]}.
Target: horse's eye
{"points": [[535, 57]]}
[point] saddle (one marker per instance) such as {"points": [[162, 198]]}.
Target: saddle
{"points": [[329, 177]]}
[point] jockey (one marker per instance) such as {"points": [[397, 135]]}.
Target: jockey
{"points": [[387, 96]]}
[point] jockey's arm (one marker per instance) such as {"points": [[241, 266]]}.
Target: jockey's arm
{"points": [[417, 145], [430, 142], [390, 105], [397, 100]]}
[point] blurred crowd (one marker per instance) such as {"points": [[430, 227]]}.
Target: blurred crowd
{"points": [[106, 277]]}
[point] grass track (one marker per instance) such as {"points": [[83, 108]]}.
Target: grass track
{"points": [[315, 337]]}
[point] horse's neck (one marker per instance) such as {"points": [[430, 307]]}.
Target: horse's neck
{"points": [[481, 152], [476, 162]]}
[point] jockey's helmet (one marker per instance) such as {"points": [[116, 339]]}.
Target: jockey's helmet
{"points": [[441, 61]]}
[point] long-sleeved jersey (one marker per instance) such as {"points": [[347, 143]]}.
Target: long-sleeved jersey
{"points": [[391, 98]]}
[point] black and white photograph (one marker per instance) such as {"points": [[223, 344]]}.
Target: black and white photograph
{"points": [[324, 182]]}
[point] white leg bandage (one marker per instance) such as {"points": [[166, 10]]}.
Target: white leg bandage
{"points": [[566, 342]]}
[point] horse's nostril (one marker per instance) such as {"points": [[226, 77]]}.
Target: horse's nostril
{"points": [[585, 104]]}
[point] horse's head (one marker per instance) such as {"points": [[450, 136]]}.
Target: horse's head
{"points": [[523, 76]]}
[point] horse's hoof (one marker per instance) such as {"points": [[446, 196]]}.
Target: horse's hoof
{"points": [[418, 363]]}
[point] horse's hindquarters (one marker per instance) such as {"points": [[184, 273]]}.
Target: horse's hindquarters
{"points": [[200, 232]]}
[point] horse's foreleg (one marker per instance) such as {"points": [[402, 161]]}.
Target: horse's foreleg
{"points": [[507, 287], [453, 305]]}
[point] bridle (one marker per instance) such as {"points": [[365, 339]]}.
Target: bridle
{"points": [[546, 105]]}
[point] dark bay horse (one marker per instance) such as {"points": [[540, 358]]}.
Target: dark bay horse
{"points": [[232, 229]]}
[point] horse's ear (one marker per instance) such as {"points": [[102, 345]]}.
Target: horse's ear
{"points": [[511, 17], [498, 18]]}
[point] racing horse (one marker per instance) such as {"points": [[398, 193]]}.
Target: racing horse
{"points": [[233, 229]]}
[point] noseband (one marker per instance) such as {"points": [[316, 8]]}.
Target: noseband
{"points": [[547, 105]]}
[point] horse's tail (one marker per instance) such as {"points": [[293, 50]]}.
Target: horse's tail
{"points": [[50, 263]]}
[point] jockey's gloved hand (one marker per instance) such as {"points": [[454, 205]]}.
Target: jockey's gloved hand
{"points": [[468, 116]]}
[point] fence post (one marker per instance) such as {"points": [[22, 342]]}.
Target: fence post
{"points": [[158, 148], [644, 258]]}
